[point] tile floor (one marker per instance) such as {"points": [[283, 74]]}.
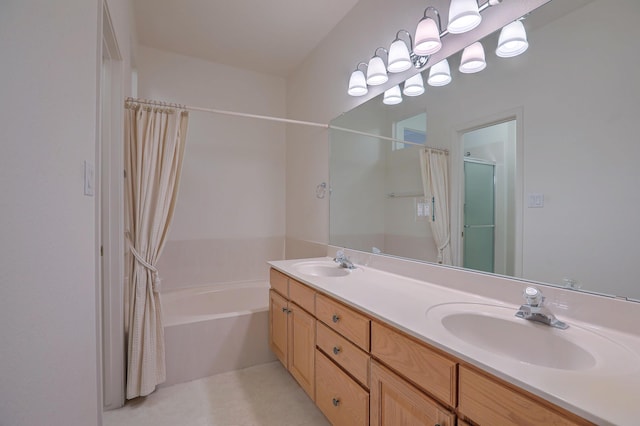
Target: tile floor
{"points": [[262, 395]]}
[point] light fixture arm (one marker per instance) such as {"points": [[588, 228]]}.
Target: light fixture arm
{"points": [[436, 13], [386, 52], [410, 38], [361, 63]]}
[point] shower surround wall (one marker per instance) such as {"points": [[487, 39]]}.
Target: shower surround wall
{"points": [[230, 215]]}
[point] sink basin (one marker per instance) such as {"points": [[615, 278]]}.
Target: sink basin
{"points": [[495, 330], [321, 269]]}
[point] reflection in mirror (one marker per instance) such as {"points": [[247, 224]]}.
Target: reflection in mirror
{"points": [[555, 127]]}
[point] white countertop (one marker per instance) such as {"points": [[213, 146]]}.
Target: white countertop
{"points": [[606, 394]]}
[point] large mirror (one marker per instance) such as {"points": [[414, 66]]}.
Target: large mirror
{"points": [[546, 141]]}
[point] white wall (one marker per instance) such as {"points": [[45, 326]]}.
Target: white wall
{"points": [[48, 289], [230, 216], [316, 91]]}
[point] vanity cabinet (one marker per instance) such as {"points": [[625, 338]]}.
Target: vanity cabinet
{"points": [[292, 330], [362, 371]]}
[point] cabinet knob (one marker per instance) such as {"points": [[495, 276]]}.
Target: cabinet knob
{"points": [[336, 402], [336, 350], [335, 318], [284, 310]]}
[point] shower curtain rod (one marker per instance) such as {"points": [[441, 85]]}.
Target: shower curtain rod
{"points": [[276, 119]]}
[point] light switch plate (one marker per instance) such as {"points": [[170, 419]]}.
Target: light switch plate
{"points": [[535, 200], [89, 178]]}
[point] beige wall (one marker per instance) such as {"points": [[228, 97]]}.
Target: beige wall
{"points": [[48, 289], [230, 216], [316, 91]]}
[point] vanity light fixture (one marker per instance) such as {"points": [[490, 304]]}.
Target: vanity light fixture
{"points": [[376, 71], [414, 86], [472, 59], [392, 96], [464, 16], [357, 82], [513, 40], [439, 74], [399, 56], [428, 34]]}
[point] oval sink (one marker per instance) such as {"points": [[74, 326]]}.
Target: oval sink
{"points": [[497, 331], [321, 269]]}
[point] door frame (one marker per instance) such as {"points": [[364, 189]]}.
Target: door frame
{"points": [[457, 181], [110, 216]]}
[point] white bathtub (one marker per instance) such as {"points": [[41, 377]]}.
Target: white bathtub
{"points": [[214, 329]]}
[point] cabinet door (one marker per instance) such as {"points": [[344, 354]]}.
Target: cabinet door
{"points": [[394, 402], [302, 342], [278, 326]]}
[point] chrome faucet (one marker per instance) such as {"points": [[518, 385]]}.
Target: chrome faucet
{"points": [[534, 309], [343, 260]]}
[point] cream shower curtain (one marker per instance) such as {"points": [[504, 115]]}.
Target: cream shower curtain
{"points": [[154, 148], [435, 182]]}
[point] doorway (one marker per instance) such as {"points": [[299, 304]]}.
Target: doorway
{"points": [[489, 191]]}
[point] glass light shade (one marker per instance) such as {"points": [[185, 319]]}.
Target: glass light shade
{"points": [[427, 38], [357, 84], [472, 59], [392, 96], [376, 72], [512, 40], [439, 74], [463, 16], [399, 59], [414, 86]]}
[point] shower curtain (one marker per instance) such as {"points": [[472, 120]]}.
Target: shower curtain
{"points": [[154, 147], [435, 183]]}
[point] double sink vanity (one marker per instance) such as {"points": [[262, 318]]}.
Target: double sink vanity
{"points": [[375, 347]]}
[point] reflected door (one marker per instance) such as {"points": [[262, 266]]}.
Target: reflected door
{"points": [[479, 216]]}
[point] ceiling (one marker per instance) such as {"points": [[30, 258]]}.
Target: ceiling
{"points": [[272, 36]]}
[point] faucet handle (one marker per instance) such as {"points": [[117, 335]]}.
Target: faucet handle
{"points": [[533, 296]]}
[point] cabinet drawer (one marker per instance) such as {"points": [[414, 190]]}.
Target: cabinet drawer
{"points": [[396, 402], [339, 397], [279, 282], [343, 352], [352, 325], [303, 296], [429, 370], [488, 402]]}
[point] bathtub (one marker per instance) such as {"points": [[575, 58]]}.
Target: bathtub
{"points": [[214, 329]]}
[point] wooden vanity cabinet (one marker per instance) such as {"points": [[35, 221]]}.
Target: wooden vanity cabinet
{"points": [[361, 372], [292, 330]]}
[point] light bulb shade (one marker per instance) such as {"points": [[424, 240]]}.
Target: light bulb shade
{"points": [[439, 74], [392, 96], [376, 72], [512, 40], [427, 38], [463, 16], [357, 84], [414, 86], [473, 59], [399, 58]]}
